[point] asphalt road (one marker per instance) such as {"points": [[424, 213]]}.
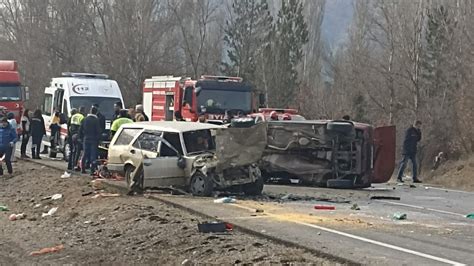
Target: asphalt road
{"points": [[435, 232]]}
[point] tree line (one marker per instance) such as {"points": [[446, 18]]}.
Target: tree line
{"points": [[401, 60]]}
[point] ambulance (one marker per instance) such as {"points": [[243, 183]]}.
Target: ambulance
{"points": [[73, 90]]}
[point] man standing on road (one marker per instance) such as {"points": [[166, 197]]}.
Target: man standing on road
{"points": [[89, 132], [412, 137], [122, 119], [101, 118], [8, 138]]}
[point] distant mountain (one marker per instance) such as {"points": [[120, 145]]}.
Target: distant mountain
{"points": [[337, 18]]}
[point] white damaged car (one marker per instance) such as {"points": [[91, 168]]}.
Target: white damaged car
{"points": [[199, 157]]}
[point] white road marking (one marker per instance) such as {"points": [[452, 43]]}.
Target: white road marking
{"points": [[421, 208], [450, 190], [367, 240]]}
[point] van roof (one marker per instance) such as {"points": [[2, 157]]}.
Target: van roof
{"points": [[172, 126]]}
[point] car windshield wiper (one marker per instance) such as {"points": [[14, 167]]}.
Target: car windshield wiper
{"points": [[198, 152]]}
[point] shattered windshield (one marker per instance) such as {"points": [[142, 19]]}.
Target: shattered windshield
{"points": [[199, 141]]}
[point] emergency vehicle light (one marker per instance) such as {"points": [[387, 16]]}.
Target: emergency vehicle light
{"points": [[84, 75], [222, 78], [282, 111]]}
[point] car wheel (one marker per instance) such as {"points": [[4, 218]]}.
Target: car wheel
{"points": [[128, 174], [340, 183], [134, 188], [255, 188], [201, 185]]}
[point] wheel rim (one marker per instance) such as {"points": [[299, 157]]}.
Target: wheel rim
{"points": [[198, 184]]}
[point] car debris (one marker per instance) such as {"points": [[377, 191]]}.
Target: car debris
{"points": [[47, 250], [215, 227], [355, 207], [336, 154], [384, 198], [225, 200], [105, 195], [324, 207], [399, 216]]}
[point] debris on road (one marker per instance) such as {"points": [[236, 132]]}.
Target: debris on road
{"points": [[259, 210], [47, 250], [3, 208], [225, 200], [355, 207], [293, 197], [470, 216], [97, 184], [215, 227], [399, 216], [105, 195], [56, 196], [14, 217], [324, 207], [50, 212], [384, 198], [66, 175]]}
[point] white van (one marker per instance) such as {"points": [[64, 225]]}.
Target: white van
{"points": [[74, 90]]}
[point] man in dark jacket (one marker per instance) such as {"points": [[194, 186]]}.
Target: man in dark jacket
{"points": [[8, 138], [412, 137], [101, 118], [89, 132]]}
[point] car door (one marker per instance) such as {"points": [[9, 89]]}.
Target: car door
{"points": [[163, 171], [384, 154]]}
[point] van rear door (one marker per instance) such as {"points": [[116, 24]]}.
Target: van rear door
{"points": [[384, 154]]}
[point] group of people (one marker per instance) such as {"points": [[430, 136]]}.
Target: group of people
{"points": [[87, 131], [31, 126]]}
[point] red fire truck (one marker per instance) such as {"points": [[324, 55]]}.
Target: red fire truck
{"points": [[12, 94], [214, 97]]}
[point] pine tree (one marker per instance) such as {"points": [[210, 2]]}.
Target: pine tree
{"points": [[246, 36], [288, 38]]}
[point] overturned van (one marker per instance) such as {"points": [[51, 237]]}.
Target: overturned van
{"points": [[199, 157], [339, 154]]}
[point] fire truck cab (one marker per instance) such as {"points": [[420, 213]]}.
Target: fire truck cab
{"points": [[214, 97]]}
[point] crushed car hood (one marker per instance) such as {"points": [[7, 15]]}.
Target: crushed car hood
{"points": [[240, 146]]}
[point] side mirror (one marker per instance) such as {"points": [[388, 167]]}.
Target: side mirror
{"points": [[261, 100], [27, 93], [198, 90], [181, 162]]}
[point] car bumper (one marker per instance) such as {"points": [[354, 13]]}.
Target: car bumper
{"points": [[116, 168]]}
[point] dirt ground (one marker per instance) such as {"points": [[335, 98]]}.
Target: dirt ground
{"points": [[116, 230], [453, 174]]}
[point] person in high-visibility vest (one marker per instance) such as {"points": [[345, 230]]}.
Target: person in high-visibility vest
{"points": [[122, 119], [73, 133]]}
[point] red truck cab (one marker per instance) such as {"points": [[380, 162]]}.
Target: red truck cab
{"points": [[12, 94]]}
